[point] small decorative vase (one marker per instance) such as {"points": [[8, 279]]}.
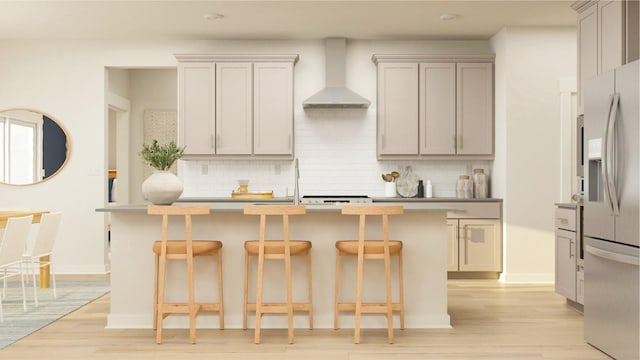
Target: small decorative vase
{"points": [[390, 189], [162, 188]]}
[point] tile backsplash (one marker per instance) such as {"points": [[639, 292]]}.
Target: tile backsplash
{"points": [[336, 149]]}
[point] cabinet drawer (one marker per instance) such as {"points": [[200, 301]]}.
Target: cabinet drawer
{"points": [[464, 210], [566, 219]]}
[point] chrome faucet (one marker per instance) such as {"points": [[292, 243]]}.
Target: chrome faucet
{"points": [[296, 179]]}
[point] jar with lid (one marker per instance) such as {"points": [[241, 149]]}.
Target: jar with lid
{"points": [[464, 187], [480, 183]]}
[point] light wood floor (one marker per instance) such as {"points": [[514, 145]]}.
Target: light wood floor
{"points": [[490, 321]]}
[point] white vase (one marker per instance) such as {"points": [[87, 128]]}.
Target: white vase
{"points": [[162, 188], [390, 189]]}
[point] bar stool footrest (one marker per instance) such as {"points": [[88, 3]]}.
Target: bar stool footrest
{"points": [[279, 308], [370, 308]]}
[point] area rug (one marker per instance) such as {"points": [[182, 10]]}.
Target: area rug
{"points": [[71, 296]]}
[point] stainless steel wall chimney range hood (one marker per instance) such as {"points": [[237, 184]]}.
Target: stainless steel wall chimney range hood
{"points": [[335, 94]]}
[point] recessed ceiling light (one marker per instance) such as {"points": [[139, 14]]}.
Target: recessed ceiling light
{"points": [[448, 17], [213, 16]]}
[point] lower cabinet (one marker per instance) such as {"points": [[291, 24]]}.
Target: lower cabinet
{"points": [[569, 274], [566, 275], [475, 245]]}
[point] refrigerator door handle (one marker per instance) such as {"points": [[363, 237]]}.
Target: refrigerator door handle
{"points": [[603, 156], [611, 171], [613, 256]]}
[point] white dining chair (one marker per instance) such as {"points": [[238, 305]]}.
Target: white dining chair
{"points": [[42, 246], [12, 245]]}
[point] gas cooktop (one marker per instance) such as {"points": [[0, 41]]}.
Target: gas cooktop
{"points": [[335, 199]]}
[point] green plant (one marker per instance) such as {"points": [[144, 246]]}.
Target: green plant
{"points": [[161, 157]]}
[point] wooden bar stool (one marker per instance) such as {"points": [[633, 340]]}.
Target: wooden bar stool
{"points": [[164, 250], [371, 249], [275, 249]]}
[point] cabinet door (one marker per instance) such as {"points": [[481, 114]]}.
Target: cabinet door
{"points": [[587, 49], [566, 263], [398, 109], [234, 94], [437, 108], [452, 238], [480, 244], [611, 30], [196, 107], [474, 112], [273, 109]]}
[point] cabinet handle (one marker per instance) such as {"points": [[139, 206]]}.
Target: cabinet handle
{"points": [[571, 254]]}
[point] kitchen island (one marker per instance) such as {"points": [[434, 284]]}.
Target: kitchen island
{"points": [[422, 228]]}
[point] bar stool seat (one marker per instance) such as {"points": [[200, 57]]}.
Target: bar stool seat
{"points": [[275, 249], [298, 247], [200, 247], [371, 249], [186, 250], [350, 247]]}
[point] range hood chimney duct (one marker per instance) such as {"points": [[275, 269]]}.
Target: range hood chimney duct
{"points": [[335, 94]]}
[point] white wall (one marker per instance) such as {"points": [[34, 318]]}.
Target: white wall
{"points": [[529, 63], [336, 147]]}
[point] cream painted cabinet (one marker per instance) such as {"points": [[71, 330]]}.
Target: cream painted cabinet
{"points": [[456, 109], [273, 109], [236, 106], [397, 109], [474, 108], [196, 107], [608, 36], [475, 243], [438, 108], [435, 107]]}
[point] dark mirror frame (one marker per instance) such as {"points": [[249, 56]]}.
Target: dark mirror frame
{"points": [[56, 145]]}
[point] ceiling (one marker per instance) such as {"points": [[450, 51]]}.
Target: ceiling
{"points": [[271, 19]]}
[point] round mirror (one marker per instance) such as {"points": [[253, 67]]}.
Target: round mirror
{"points": [[33, 146]]}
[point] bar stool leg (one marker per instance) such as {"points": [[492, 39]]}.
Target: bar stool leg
{"points": [[387, 273], [337, 290], [246, 289], [356, 337], [287, 268], [155, 293], [192, 306], [310, 285], [259, 296], [220, 296], [160, 303], [401, 279]]}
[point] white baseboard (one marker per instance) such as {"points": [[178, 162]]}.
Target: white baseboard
{"points": [[81, 270]]}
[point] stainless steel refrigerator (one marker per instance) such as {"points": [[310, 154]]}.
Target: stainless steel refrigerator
{"points": [[611, 217]]}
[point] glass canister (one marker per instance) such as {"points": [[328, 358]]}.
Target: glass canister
{"points": [[480, 184], [464, 187]]}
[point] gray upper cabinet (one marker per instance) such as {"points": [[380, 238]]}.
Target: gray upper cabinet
{"points": [[438, 108], [273, 108], [196, 107], [398, 109], [474, 111], [435, 107], [236, 106], [234, 99], [608, 36]]}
